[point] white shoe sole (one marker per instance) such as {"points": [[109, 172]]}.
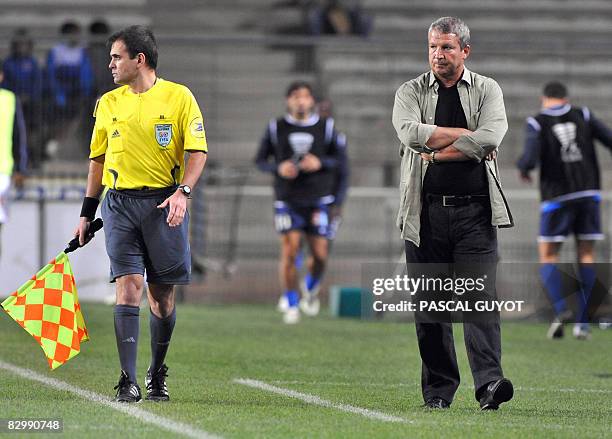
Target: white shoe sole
{"points": [[555, 331], [310, 303], [310, 306], [580, 333], [291, 316], [283, 304]]}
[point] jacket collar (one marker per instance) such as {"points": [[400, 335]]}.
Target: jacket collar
{"points": [[467, 77]]}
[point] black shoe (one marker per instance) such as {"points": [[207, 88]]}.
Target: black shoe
{"points": [[496, 393], [127, 391], [437, 403], [156, 384], [556, 327], [555, 331]]}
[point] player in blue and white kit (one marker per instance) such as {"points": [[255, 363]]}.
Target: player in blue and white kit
{"points": [[302, 150], [561, 139]]}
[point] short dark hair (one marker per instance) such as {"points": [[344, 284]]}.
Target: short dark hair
{"points": [[137, 39], [70, 27], [21, 35], [99, 27], [555, 89], [296, 85]]}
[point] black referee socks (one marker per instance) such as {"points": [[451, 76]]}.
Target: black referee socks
{"points": [[126, 332], [161, 333]]}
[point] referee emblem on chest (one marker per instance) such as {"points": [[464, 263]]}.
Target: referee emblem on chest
{"points": [[163, 133]]}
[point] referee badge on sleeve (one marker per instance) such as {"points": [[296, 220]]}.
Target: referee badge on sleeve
{"points": [[163, 133], [197, 128]]}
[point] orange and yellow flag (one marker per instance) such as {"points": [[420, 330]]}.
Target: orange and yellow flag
{"points": [[47, 307]]}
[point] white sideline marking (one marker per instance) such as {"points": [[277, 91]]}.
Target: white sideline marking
{"points": [[539, 389], [313, 399], [128, 409], [391, 385]]}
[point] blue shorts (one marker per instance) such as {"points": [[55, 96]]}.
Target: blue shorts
{"points": [[313, 220], [139, 241], [579, 217], [334, 225]]}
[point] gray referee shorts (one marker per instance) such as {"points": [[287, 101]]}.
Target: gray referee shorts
{"points": [[139, 240]]}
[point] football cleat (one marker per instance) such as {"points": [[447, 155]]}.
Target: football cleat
{"points": [[127, 391], [555, 330], [155, 382], [582, 331], [556, 327], [283, 304], [292, 315], [310, 303]]}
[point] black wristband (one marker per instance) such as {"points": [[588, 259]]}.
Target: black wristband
{"points": [[88, 210]]}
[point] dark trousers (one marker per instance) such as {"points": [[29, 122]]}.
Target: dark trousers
{"points": [[464, 236]]}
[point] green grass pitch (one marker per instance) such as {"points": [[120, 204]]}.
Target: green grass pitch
{"points": [[563, 388]]}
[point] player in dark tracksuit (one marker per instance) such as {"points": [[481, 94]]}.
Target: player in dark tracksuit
{"points": [[309, 304], [305, 150], [561, 138], [341, 176]]}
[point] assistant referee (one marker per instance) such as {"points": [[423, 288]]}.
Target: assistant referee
{"points": [[141, 133]]}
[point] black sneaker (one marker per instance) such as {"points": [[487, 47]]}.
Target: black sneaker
{"points": [[127, 391], [156, 384]]}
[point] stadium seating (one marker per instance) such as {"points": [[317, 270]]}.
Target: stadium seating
{"points": [[230, 54], [44, 17]]}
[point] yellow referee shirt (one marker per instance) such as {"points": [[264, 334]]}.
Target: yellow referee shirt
{"points": [[144, 136]]}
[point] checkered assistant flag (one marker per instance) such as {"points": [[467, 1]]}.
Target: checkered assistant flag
{"points": [[47, 307]]}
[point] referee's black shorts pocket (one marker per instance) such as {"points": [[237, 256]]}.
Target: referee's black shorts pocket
{"points": [[168, 258]]}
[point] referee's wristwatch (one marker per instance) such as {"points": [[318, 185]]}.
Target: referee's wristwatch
{"points": [[186, 190]]}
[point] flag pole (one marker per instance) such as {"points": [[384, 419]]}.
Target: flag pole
{"points": [[93, 228]]}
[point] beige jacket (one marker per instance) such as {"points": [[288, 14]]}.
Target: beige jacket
{"points": [[413, 118]]}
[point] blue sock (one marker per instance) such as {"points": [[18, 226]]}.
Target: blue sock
{"points": [[292, 297], [311, 281], [551, 278], [587, 280]]}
